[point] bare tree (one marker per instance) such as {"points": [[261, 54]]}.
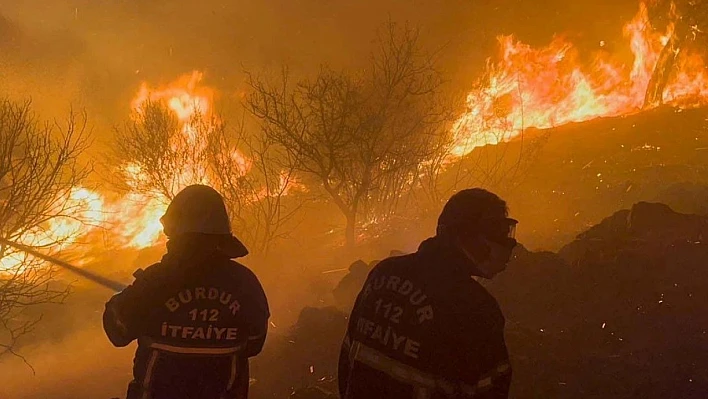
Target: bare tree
{"points": [[426, 192], [362, 135], [257, 178], [690, 20], [160, 155], [39, 168]]}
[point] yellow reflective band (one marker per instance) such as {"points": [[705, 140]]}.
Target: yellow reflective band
{"points": [[234, 367], [196, 351], [484, 383], [422, 380], [148, 374], [393, 368], [487, 380]]}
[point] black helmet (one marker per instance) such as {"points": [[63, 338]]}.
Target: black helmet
{"points": [[477, 211], [358, 265], [199, 209]]}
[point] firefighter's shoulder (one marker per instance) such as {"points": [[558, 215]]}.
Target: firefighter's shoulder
{"points": [[480, 307], [246, 278], [148, 274], [241, 272], [391, 264]]}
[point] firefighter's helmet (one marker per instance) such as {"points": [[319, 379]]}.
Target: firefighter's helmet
{"points": [[199, 209]]}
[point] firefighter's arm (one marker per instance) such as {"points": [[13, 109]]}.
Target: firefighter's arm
{"points": [[344, 367], [258, 320], [487, 369], [122, 312]]}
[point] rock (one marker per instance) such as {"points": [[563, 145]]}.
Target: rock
{"points": [[688, 198]]}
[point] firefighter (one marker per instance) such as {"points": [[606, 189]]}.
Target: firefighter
{"points": [[197, 315], [422, 326], [345, 292]]}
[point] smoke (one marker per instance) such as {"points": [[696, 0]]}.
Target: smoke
{"points": [[82, 366], [70, 357], [67, 355], [94, 55]]}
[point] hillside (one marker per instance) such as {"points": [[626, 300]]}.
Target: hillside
{"points": [[585, 171]]}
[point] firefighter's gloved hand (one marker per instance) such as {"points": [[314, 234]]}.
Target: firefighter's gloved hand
{"points": [[120, 312], [116, 329]]}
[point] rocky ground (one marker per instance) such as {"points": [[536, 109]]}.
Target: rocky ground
{"points": [[617, 313]]}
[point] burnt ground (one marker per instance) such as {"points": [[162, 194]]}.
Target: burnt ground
{"points": [[613, 311], [617, 313], [586, 171]]}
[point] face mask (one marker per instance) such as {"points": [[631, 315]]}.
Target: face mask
{"points": [[496, 261]]}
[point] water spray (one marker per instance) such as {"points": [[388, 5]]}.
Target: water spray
{"points": [[96, 278]]}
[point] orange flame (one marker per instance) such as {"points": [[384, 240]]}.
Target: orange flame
{"points": [[184, 96], [188, 100], [242, 161], [82, 212], [527, 87], [549, 86], [135, 218]]}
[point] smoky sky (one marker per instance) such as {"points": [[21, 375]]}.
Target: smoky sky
{"points": [[95, 53]]}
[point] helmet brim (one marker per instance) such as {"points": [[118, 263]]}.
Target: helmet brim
{"points": [[232, 247]]}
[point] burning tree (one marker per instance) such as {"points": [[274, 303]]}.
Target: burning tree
{"points": [[162, 150], [39, 207], [362, 135], [687, 20], [258, 184], [499, 119], [160, 154], [551, 86]]}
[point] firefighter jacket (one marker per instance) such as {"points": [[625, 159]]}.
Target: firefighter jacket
{"points": [[197, 316], [423, 327]]}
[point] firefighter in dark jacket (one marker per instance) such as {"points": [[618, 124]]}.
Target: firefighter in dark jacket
{"points": [[422, 326], [197, 315]]}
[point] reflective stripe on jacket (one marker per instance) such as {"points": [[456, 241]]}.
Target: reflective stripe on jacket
{"points": [[197, 320], [423, 327]]}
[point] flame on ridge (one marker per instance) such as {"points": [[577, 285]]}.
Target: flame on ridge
{"points": [[527, 87], [549, 86], [134, 219]]}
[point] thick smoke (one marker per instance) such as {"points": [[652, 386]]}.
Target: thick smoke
{"points": [[94, 55]]}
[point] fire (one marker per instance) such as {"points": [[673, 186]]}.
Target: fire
{"points": [[82, 212], [86, 213], [134, 219], [189, 101], [184, 96], [244, 163], [550, 86], [526, 87]]}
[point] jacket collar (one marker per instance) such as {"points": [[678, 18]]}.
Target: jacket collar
{"points": [[188, 246], [448, 256]]}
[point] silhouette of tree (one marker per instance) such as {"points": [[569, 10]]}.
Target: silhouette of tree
{"points": [[161, 155], [39, 170], [362, 135]]}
